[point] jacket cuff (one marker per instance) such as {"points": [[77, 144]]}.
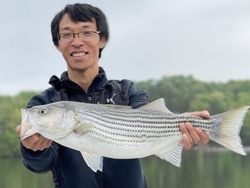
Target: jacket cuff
{"points": [[27, 153]]}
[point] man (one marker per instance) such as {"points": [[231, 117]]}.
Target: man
{"points": [[80, 32]]}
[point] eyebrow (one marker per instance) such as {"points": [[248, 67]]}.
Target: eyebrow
{"points": [[67, 28]]}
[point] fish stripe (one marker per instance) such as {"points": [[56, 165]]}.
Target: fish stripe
{"points": [[139, 122]]}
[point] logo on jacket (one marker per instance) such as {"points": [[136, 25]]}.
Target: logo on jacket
{"points": [[110, 100]]}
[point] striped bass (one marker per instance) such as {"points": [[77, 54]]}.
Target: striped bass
{"points": [[120, 132]]}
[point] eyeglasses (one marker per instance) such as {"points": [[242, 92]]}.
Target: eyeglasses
{"points": [[83, 35]]}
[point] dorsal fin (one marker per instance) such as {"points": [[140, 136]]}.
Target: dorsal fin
{"points": [[157, 105]]}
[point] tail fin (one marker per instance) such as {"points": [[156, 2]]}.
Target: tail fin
{"points": [[226, 129]]}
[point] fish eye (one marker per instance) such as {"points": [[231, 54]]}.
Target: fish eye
{"points": [[43, 111]]}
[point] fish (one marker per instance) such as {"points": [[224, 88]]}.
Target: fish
{"points": [[120, 132]]}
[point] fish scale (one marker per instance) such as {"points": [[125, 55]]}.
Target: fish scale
{"points": [[119, 132]]}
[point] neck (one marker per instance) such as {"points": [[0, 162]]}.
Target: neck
{"points": [[83, 78]]}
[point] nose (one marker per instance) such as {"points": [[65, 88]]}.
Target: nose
{"points": [[76, 41]]}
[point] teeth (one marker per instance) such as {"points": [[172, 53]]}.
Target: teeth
{"points": [[78, 54]]}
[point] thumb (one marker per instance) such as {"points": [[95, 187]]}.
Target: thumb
{"points": [[18, 129]]}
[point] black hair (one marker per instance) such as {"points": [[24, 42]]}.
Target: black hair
{"points": [[81, 13]]}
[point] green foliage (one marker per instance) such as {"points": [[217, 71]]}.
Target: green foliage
{"points": [[9, 118]]}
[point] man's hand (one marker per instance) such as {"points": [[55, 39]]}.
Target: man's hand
{"points": [[35, 142], [191, 135]]}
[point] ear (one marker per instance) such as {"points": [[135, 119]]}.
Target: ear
{"points": [[102, 43], [58, 48]]}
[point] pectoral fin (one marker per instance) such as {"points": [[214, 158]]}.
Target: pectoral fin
{"points": [[83, 128], [94, 162]]}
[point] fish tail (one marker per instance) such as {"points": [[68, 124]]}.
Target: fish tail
{"points": [[226, 129]]}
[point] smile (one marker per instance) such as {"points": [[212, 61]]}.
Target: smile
{"points": [[78, 54]]}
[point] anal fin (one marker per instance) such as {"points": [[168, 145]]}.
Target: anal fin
{"points": [[172, 155]]}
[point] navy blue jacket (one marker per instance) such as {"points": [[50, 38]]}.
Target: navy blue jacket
{"points": [[67, 165]]}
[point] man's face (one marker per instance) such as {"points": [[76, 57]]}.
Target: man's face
{"points": [[81, 52]]}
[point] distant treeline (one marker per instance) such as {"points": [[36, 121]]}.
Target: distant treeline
{"points": [[181, 93], [186, 94]]}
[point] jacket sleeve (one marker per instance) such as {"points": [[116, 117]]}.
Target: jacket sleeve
{"points": [[137, 97], [40, 161]]}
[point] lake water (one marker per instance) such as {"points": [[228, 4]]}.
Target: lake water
{"points": [[198, 170]]}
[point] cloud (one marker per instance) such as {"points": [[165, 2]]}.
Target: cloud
{"points": [[207, 39]]}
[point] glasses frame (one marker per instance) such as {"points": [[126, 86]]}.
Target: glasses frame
{"points": [[72, 35]]}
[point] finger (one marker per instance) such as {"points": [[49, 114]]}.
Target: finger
{"points": [[184, 130], [45, 144], [31, 141], [40, 144], [192, 133], [205, 114], [186, 142], [49, 143], [202, 114], [204, 139]]}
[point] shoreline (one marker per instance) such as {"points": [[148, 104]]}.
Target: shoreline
{"points": [[204, 148]]}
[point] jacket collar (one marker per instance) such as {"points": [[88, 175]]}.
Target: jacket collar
{"points": [[64, 83]]}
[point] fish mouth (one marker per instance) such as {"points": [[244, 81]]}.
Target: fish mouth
{"points": [[24, 115], [26, 131], [26, 128]]}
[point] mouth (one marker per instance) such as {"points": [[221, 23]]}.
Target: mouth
{"points": [[78, 54]]}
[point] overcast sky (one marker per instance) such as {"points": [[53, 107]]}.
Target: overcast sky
{"points": [[208, 39]]}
